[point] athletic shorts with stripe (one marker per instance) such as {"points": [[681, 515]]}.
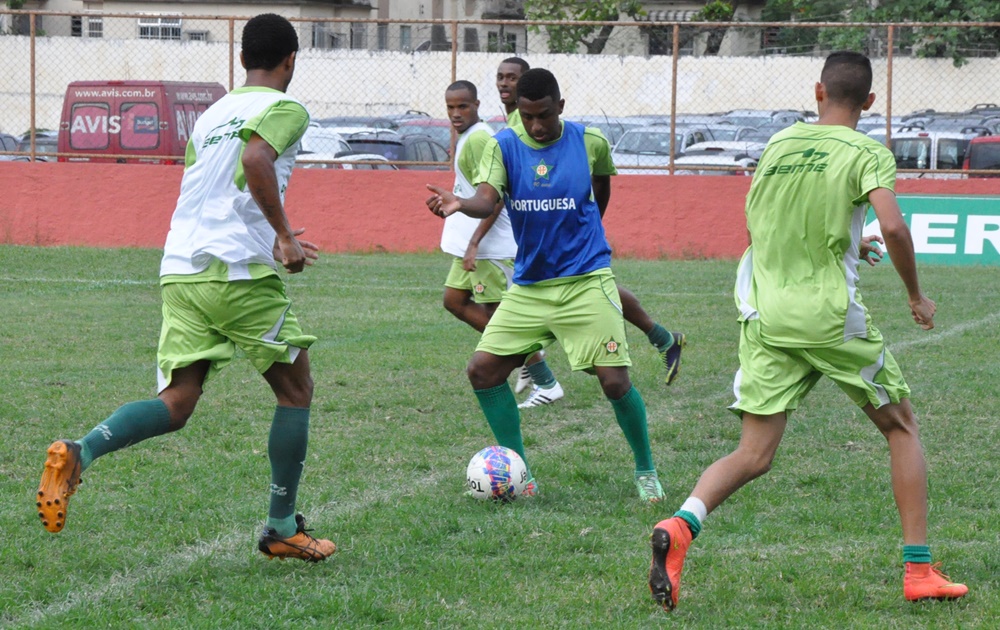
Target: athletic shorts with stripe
{"points": [[582, 313], [210, 320], [487, 283], [774, 379]]}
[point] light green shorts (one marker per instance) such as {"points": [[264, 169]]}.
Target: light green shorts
{"points": [[487, 283], [772, 379], [582, 313], [209, 320]]}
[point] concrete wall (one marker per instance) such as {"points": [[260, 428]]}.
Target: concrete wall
{"points": [[112, 205], [333, 82]]}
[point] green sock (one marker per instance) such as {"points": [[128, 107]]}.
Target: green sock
{"points": [[500, 408], [286, 449], [542, 375], [660, 337], [916, 553], [630, 410], [693, 523], [130, 424]]}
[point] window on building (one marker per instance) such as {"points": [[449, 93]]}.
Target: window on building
{"points": [[499, 41], [405, 38], [383, 36], [197, 36], [76, 25], [359, 36], [323, 36], [159, 28], [471, 43], [95, 27]]}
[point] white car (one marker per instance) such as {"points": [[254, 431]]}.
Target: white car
{"points": [[650, 146], [322, 140], [346, 161]]}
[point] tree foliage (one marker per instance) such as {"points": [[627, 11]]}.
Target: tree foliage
{"points": [[568, 39], [925, 41]]}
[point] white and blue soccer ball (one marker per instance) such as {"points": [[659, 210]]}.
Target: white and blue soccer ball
{"points": [[496, 473]]}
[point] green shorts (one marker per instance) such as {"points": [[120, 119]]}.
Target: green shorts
{"points": [[487, 283], [582, 313], [772, 379], [209, 320]]}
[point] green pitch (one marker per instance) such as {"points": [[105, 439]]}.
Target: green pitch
{"points": [[162, 535]]}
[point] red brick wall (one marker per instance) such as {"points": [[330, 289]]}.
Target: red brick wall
{"points": [[113, 205]]}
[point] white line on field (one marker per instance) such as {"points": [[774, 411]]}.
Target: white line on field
{"points": [[951, 331]]}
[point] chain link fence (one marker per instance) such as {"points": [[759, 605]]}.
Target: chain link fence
{"points": [[716, 80]]}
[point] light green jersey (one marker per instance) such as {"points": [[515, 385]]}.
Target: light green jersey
{"points": [[805, 212], [514, 118]]}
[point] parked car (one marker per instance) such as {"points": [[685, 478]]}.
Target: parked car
{"points": [[751, 148], [322, 140], [151, 120], [650, 146], [613, 128], [935, 150], [762, 117], [983, 153], [694, 162], [7, 143], [439, 129], [368, 122], [46, 146], [345, 161], [403, 148]]}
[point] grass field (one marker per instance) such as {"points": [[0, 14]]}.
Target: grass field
{"points": [[162, 535]]}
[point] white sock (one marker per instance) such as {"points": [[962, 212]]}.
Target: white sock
{"points": [[696, 506]]}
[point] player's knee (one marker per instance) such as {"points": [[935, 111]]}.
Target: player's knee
{"points": [[299, 393]]}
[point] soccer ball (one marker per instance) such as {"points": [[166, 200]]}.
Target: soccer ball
{"points": [[496, 473]]}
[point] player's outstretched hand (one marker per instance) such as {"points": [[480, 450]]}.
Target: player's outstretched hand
{"points": [[870, 253], [923, 310], [443, 202]]}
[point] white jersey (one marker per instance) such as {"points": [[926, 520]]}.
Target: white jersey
{"points": [[498, 243], [216, 218]]}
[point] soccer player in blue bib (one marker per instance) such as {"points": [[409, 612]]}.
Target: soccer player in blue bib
{"points": [[668, 344], [555, 177]]}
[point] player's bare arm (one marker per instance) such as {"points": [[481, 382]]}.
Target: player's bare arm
{"points": [[310, 249], [444, 203], [258, 166], [601, 185], [899, 245]]}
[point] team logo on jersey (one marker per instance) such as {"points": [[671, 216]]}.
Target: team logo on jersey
{"points": [[611, 346], [479, 289], [542, 170], [811, 161]]}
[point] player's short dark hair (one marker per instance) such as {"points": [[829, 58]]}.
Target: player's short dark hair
{"points": [[847, 77], [536, 84], [518, 61], [464, 85], [268, 39]]}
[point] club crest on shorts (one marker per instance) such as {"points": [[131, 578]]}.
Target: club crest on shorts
{"points": [[479, 289], [611, 346]]}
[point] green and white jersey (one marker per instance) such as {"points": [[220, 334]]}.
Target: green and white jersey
{"points": [[498, 243], [805, 212], [216, 218]]}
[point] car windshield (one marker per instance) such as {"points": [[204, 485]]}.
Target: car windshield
{"points": [[912, 152], [951, 153], [391, 150], [985, 155], [646, 143]]}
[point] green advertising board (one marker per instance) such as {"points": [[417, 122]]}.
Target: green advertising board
{"points": [[950, 230]]}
